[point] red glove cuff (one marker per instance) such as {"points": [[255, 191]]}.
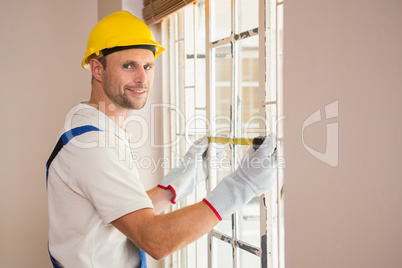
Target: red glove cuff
{"points": [[213, 209], [171, 188]]}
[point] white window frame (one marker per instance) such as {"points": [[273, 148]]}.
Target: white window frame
{"points": [[269, 31]]}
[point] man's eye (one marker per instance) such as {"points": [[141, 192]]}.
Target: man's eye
{"points": [[147, 67], [127, 66]]}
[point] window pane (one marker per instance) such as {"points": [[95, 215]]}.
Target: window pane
{"points": [[202, 252], [248, 15], [225, 226], [197, 124], [200, 101], [224, 254], [200, 55], [221, 25], [249, 223], [189, 104], [189, 45], [189, 29], [250, 120], [222, 90], [247, 260]]}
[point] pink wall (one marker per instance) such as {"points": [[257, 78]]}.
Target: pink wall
{"points": [[348, 214]]}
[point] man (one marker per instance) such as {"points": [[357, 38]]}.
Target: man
{"points": [[99, 213]]}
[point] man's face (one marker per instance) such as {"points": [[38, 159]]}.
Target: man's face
{"points": [[128, 77]]}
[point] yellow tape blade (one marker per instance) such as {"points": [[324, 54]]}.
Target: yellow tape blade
{"points": [[237, 141]]}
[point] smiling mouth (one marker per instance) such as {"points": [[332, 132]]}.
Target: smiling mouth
{"points": [[137, 91]]}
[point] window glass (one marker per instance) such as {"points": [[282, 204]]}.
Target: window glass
{"points": [[222, 91], [198, 31], [221, 25], [247, 15], [224, 254], [189, 104], [189, 47], [200, 100], [248, 79], [249, 223], [246, 259], [202, 253]]}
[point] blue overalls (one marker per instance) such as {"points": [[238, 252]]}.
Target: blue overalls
{"points": [[64, 139]]}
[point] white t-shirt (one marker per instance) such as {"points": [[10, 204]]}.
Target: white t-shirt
{"points": [[92, 182]]}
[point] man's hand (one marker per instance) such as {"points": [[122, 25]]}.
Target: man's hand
{"points": [[255, 175], [194, 169]]}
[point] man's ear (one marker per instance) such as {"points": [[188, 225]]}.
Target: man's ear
{"points": [[96, 69]]}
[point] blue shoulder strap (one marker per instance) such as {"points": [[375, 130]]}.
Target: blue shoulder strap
{"points": [[54, 262], [143, 259], [64, 139]]}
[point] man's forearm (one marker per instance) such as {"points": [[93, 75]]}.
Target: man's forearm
{"points": [[161, 235]]}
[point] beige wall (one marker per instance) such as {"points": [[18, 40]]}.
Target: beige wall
{"points": [[351, 52], [346, 51], [41, 47]]}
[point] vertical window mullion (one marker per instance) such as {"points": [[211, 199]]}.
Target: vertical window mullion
{"points": [[210, 78], [234, 117], [195, 103], [263, 78], [279, 94]]}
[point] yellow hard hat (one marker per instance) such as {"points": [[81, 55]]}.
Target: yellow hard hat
{"points": [[119, 29]]}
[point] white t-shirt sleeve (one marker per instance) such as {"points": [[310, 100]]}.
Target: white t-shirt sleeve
{"points": [[109, 183]]}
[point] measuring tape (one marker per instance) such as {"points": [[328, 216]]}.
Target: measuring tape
{"points": [[256, 142]]}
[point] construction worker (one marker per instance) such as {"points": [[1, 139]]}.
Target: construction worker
{"points": [[99, 212]]}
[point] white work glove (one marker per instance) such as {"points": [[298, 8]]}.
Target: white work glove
{"points": [[194, 169], [255, 176]]}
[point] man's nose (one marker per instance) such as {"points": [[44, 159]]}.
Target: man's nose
{"points": [[140, 76]]}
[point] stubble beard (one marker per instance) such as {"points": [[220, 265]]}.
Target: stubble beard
{"points": [[120, 99]]}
